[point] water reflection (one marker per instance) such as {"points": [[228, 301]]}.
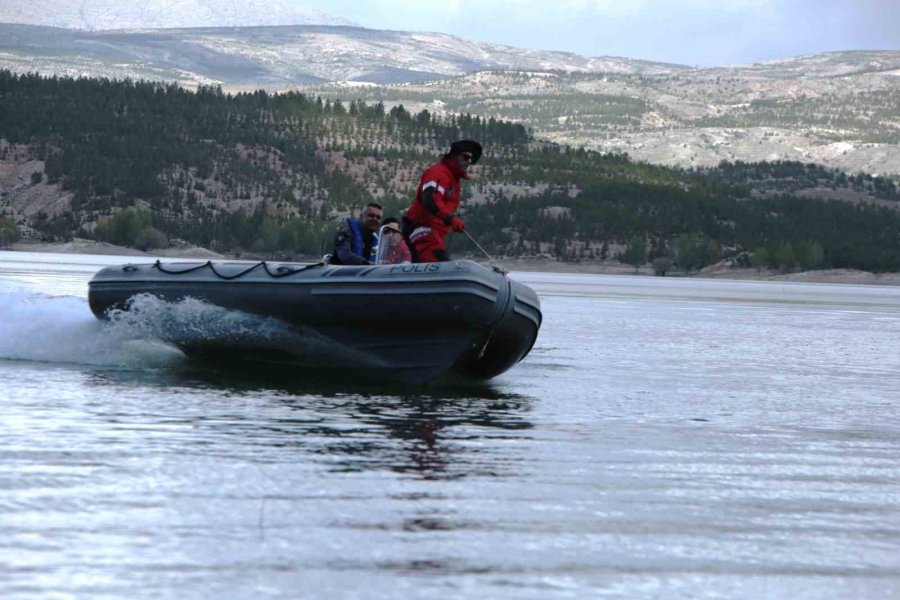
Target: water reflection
{"points": [[355, 426], [436, 434]]}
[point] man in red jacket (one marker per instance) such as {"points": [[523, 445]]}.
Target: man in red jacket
{"points": [[433, 213]]}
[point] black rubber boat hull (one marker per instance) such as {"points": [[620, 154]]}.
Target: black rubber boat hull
{"points": [[413, 323]]}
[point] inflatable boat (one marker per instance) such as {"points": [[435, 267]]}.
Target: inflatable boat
{"points": [[412, 322]]}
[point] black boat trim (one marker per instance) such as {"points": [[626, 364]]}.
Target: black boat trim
{"points": [[318, 281], [394, 292], [528, 315], [527, 302]]}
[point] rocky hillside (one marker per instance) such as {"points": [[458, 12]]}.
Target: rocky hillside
{"points": [[837, 109], [278, 58], [840, 110]]}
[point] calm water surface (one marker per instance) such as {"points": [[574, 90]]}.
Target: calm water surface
{"points": [[667, 438]]}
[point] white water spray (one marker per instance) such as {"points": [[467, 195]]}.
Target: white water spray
{"points": [[37, 327], [149, 333]]}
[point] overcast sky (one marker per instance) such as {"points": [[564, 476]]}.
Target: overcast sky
{"points": [[693, 32]]}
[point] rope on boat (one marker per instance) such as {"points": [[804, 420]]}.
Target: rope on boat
{"points": [[494, 263], [281, 271]]}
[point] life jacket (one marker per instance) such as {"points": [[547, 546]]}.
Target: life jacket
{"points": [[358, 244]]}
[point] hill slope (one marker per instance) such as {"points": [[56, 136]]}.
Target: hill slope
{"points": [[279, 57], [138, 163], [840, 109], [837, 109], [98, 15]]}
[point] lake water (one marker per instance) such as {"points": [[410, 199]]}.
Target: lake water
{"points": [[666, 438]]}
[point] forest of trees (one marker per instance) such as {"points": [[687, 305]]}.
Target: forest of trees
{"points": [[147, 163], [792, 176]]}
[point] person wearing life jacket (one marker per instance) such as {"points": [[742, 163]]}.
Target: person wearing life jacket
{"points": [[356, 241], [433, 212]]}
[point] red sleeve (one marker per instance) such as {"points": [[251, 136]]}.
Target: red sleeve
{"points": [[437, 181]]}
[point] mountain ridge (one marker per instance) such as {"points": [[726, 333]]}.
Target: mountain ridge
{"points": [[107, 15], [288, 55], [845, 114], [838, 109]]}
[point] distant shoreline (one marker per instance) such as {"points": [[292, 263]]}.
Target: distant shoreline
{"points": [[546, 265], [83, 246], [838, 276]]}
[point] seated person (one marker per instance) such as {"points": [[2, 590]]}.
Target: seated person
{"points": [[392, 248], [357, 239]]}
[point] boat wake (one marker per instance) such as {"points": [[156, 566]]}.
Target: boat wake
{"points": [[152, 333], [206, 330], [37, 327]]}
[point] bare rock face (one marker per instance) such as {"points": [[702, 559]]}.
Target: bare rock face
{"points": [[23, 191]]}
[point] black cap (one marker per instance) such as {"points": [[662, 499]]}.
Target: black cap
{"points": [[470, 146]]}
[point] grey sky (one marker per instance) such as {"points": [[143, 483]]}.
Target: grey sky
{"points": [[694, 32]]}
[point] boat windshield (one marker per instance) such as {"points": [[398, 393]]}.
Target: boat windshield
{"points": [[392, 248]]}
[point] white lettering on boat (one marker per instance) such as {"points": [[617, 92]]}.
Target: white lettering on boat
{"points": [[419, 268]]}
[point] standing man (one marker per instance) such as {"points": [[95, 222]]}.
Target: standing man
{"points": [[432, 214], [357, 239]]}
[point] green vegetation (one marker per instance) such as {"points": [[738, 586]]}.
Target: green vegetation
{"points": [[548, 102], [561, 113], [132, 227], [605, 105], [635, 253], [869, 116], [9, 233], [793, 176], [270, 173]]}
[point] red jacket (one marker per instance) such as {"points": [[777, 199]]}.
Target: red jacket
{"points": [[444, 179]]}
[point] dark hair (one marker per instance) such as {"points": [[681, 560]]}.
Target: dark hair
{"points": [[373, 205], [390, 220]]}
